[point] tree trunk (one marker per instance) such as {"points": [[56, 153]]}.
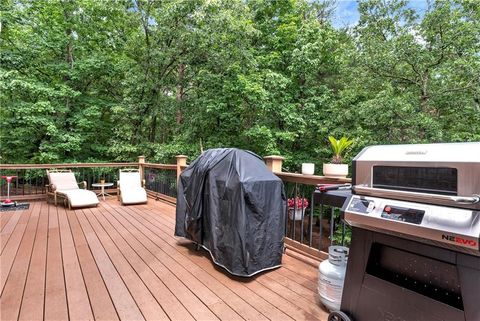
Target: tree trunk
{"points": [[180, 92], [424, 94], [153, 129], [67, 14]]}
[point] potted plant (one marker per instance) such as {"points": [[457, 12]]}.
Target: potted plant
{"points": [[336, 168], [296, 208], [308, 168], [100, 173]]}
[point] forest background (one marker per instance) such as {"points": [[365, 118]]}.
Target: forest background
{"points": [[86, 80]]}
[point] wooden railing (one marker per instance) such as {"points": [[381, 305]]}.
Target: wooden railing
{"points": [[63, 165], [31, 179], [310, 179], [311, 229], [310, 235], [161, 181]]}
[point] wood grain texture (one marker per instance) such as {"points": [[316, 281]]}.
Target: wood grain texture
{"points": [[118, 262]]}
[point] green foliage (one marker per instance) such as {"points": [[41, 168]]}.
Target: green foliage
{"points": [[339, 147], [94, 80], [339, 233]]}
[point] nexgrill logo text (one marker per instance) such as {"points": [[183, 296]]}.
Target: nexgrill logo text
{"points": [[459, 240]]}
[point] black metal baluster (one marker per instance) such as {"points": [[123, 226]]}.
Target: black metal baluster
{"points": [[312, 212], [290, 224], [332, 224], [321, 223], [29, 185], [303, 212], [286, 216], [295, 195]]}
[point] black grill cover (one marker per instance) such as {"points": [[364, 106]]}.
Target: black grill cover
{"points": [[231, 204]]}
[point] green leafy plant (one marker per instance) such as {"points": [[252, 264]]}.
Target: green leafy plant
{"points": [[347, 236], [339, 147]]}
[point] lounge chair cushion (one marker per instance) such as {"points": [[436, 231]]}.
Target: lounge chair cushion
{"points": [[130, 179], [63, 181], [80, 197], [131, 190], [133, 195]]}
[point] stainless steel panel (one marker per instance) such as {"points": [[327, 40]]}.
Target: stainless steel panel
{"points": [[411, 153], [451, 227], [464, 201], [465, 157]]}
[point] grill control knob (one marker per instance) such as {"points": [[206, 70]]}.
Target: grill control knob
{"points": [[387, 209]]}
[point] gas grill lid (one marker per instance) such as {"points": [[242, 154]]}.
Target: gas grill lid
{"points": [[443, 174], [439, 153]]}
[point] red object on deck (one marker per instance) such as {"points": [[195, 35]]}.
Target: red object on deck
{"points": [[8, 201]]}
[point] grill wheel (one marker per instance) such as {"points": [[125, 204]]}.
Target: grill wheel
{"points": [[338, 316]]}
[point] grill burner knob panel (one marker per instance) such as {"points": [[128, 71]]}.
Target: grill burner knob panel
{"points": [[403, 214], [449, 227]]}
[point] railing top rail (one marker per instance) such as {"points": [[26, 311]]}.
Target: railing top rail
{"points": [[65, 165], [160, 166], [310, 179]]}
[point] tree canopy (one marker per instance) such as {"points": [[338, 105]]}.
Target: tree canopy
{"points": [[87, 80]]}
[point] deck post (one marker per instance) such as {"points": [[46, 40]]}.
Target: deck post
{"points": [[274, 163], [181, 161], [141, 161]]}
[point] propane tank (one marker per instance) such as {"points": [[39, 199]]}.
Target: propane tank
{"points": [[331, 276]]}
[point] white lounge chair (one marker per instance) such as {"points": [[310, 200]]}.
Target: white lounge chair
{"points": [[130, 187], [63, 184]]}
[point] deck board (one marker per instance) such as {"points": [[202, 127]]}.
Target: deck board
{"points": [[33, 297], [15, 281], [122, 296], [116, 262], [6, 217], [284, 304], [153, 292], [10, 244], [314, 313], [291, 297], [78, 302], [168, 252], [102, 304], [185, 295], [55, 305], [164, 265], [202, 259]]}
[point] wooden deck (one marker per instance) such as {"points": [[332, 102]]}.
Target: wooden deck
{"points": [[123, 262]]}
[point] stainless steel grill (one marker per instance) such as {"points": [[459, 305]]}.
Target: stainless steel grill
{"points": [[415, 213], [426, 192], [439, 174]]}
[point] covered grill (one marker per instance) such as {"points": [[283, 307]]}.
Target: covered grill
{"points": [[415, 217], [234, 207]]}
